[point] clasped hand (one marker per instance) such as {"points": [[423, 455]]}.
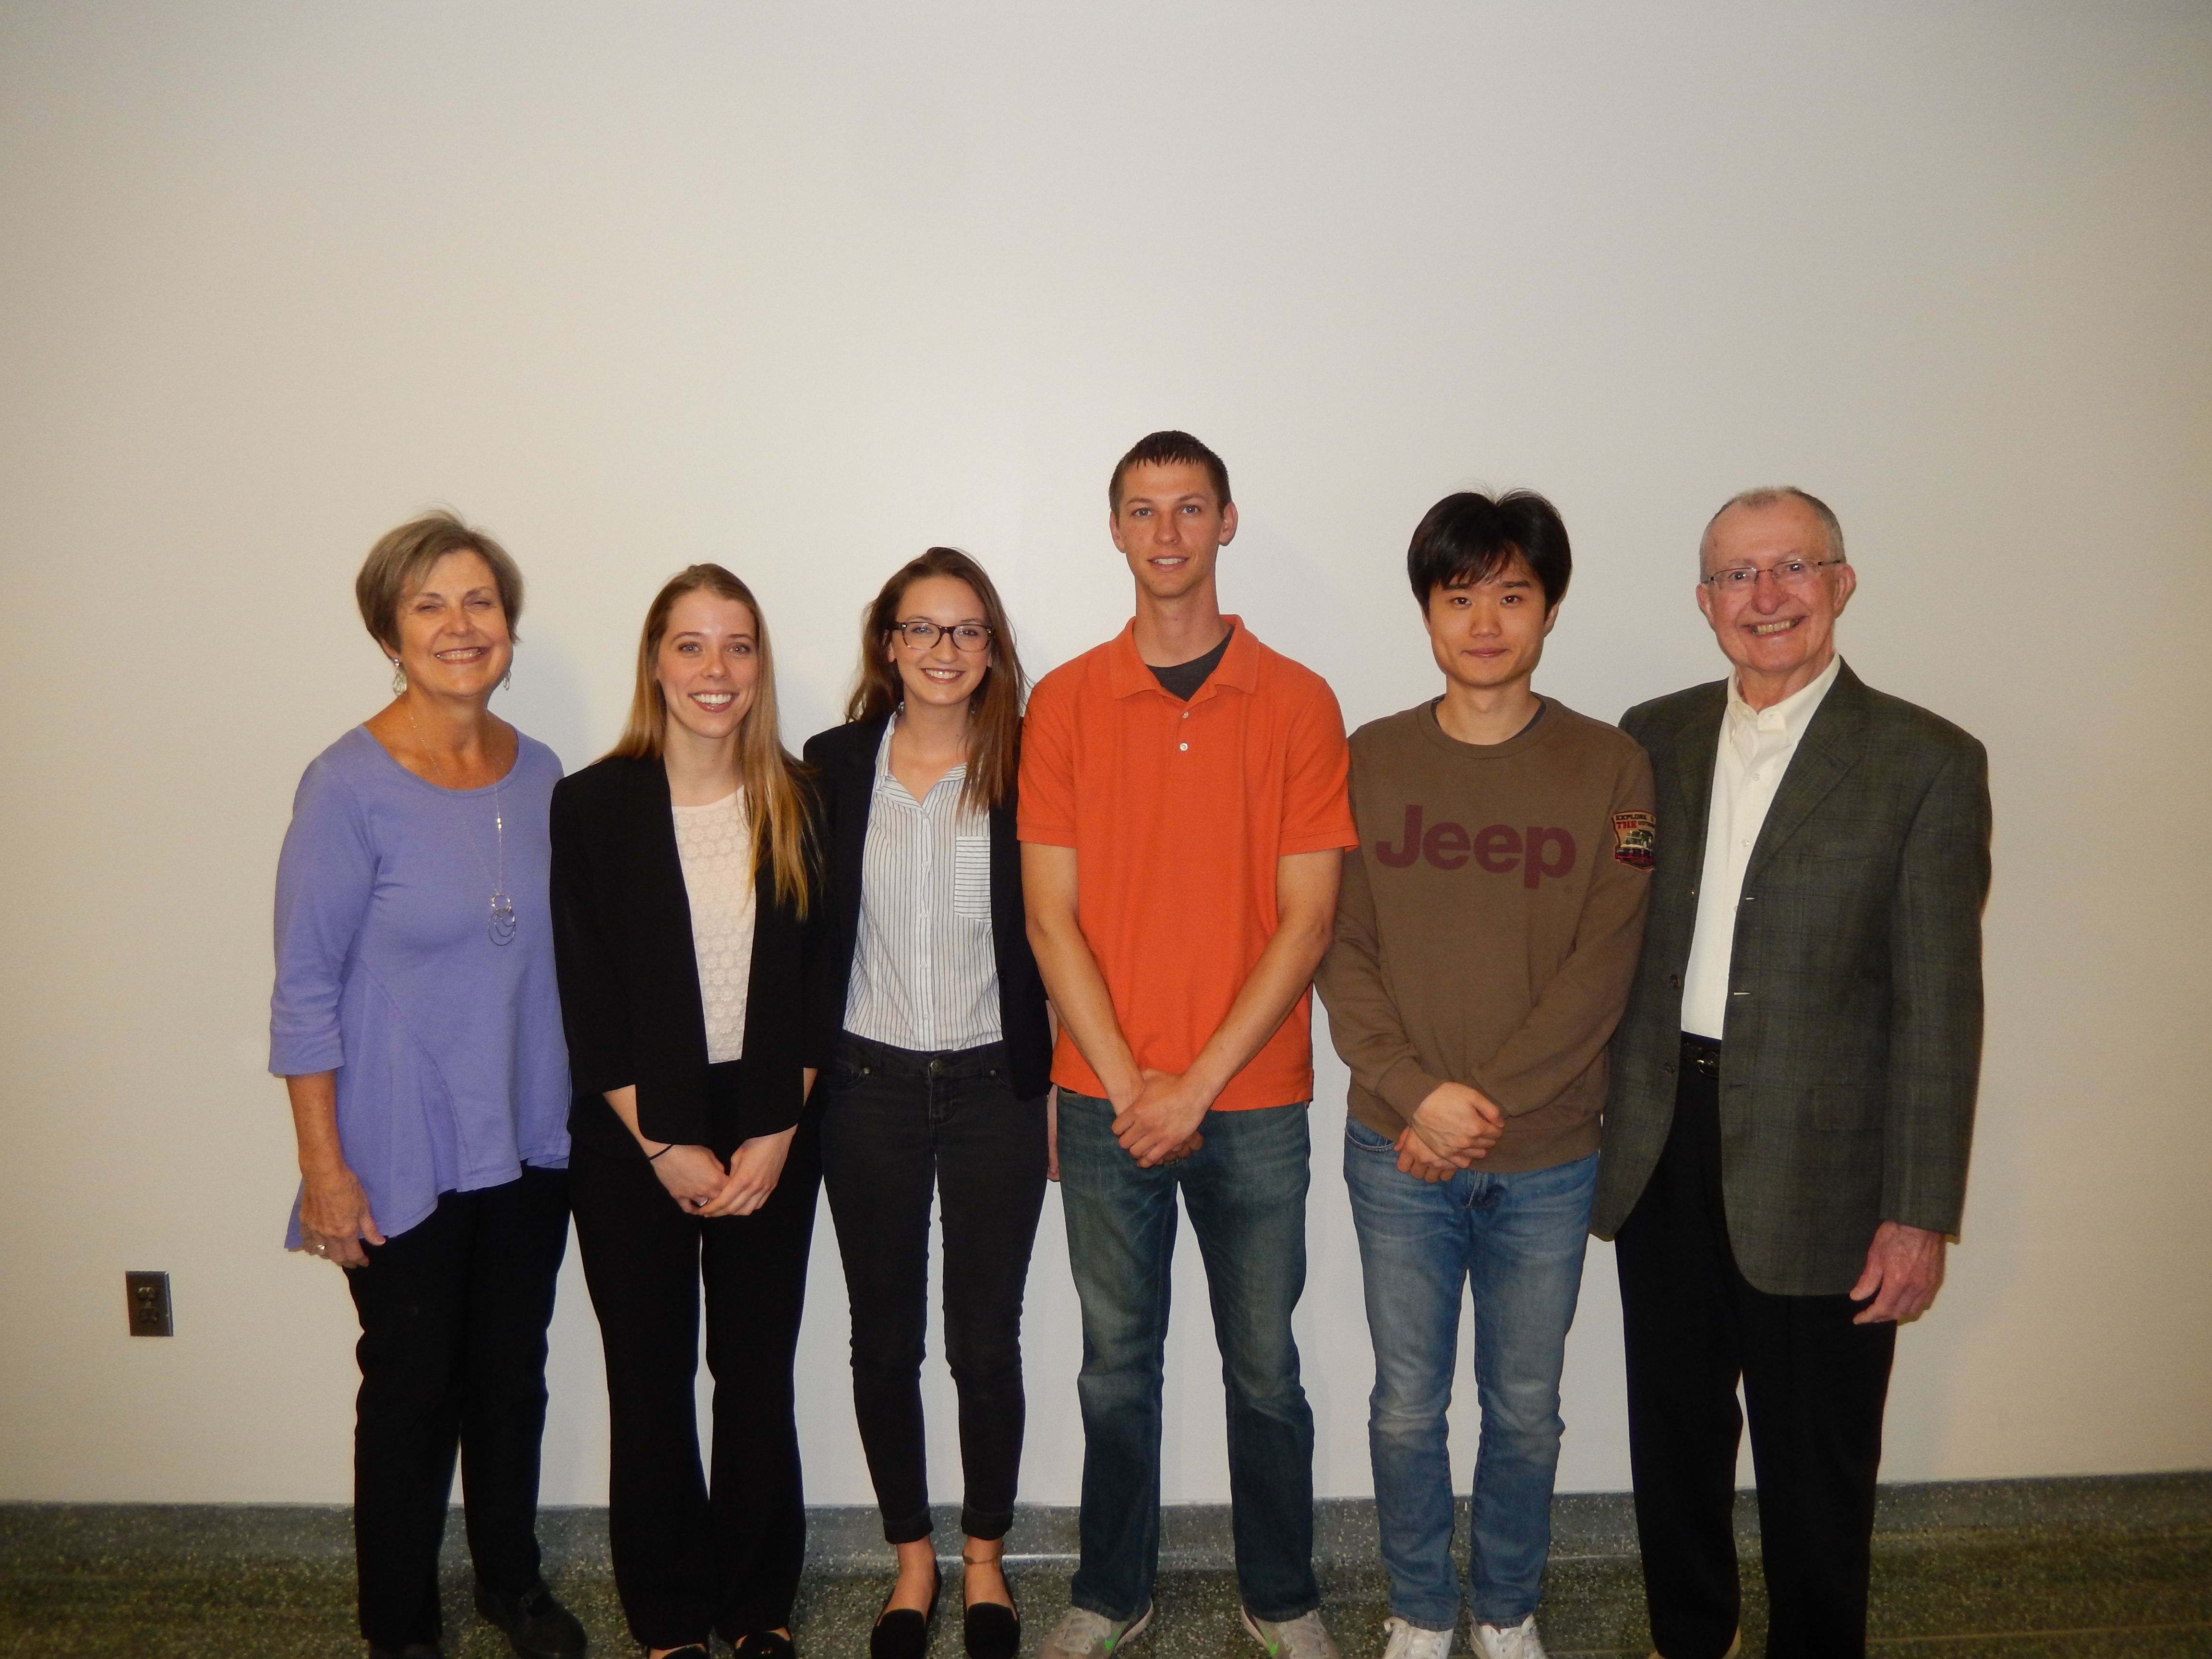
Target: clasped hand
{"points": [[1159, 1123], [1452, 1127], [702, 1186]]}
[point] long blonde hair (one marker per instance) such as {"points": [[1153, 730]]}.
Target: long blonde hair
{"points": [[775, 801]]}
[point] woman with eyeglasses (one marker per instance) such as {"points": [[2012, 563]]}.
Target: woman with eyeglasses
{"points": [[681, 884], [926, 1008]]}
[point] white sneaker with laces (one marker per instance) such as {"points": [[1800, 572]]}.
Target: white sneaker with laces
{"points": [[1412, 1642], [1302, 1638], [1513, 1641], [1081, 1635]]}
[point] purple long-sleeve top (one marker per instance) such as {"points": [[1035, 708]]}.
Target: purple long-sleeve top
{"points": [[451, 1070]]}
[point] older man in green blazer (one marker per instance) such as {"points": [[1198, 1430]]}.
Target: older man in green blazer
{"points": [[1793, 1085]]}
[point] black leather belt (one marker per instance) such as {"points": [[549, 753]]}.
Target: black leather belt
{"points": [[1701, 1055]]}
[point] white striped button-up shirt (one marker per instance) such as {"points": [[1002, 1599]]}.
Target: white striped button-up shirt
{"points": [[924, 972]]}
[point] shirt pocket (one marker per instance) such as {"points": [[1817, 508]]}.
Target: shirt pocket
{"points": [[971, 875]]}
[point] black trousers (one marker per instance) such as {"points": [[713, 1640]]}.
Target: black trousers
{"points": [[692, 1556], [453, 1314], [898, 1124], [1814, 1384]]}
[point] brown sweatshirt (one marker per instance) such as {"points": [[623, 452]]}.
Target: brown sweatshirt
{"points": [[1489, 923]]}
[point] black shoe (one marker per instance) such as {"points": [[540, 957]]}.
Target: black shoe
{"points": [[412, 1650], [992, 1630], [902, 1633], [537, 1627], [685, 1652], [763, 1644]]}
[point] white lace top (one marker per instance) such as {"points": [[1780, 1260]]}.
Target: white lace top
{"points": [[715, 844]]}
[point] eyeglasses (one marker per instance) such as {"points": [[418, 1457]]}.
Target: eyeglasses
{"points": [[1742, 578], [966, 637]]}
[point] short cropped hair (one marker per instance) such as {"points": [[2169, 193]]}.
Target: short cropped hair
{"points": [[1469, 537], [403, 557], [1169, 448], [1767, 495]]}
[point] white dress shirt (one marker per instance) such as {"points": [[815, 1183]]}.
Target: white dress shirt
{"points": [[1756, 747], [925, 967]]}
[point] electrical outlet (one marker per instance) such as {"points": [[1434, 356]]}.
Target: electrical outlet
{"points": [[148, 1298]]}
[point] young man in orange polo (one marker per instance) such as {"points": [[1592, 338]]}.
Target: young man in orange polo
{"points": [[1183, 819]]}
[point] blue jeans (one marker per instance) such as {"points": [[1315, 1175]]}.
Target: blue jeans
{"points": [[1517, 1240], [1246, 1192]]}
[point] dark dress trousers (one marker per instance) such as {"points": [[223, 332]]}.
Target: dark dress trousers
{"points": [[689, 1556], [900, 1128], [1744, 1186]]}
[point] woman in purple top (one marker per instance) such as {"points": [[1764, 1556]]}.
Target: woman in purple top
{"points": [[416, 1024]]}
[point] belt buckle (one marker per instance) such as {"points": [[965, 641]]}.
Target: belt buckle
{"points": [[1702, 1058]]}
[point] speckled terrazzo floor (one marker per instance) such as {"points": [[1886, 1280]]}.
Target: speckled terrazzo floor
{"points": [[2109, 1568]]}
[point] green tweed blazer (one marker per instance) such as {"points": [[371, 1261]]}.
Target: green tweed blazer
{"points": [[1853, 1041]]}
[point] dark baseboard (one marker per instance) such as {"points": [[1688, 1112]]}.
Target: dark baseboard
{"points": [[1196, 1537]]}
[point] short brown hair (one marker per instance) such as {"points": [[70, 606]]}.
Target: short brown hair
{"points": [[775, 795], [994, 714], [1169, 448], [403, 557]]}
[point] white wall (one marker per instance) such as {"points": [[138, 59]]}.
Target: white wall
{"points": [[805, 288]]}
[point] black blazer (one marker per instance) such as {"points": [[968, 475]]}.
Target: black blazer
{"points": [[629, 975], [844, 758], [1854, 1029]]}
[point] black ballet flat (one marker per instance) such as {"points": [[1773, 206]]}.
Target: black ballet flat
{"points": [[763, 1644], [991, 1630], [902, 1633]]}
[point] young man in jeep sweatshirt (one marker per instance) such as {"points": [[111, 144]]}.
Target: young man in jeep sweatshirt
{"points": [[1487, 935]]}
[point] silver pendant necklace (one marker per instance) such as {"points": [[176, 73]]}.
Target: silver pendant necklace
{"points": [[501, 928]]}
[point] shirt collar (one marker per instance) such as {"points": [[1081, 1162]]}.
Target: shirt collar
{"points": [[957, 774], [1128, 674], [1787, 719]]}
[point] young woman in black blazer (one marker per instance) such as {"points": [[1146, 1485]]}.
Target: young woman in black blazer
{"points": [[681, 882], [926, 1006]]}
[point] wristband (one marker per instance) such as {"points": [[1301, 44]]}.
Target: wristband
{"points": [[663, 1152]]}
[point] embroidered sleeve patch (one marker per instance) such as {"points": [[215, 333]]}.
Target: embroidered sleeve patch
{"points": [[1635, 838]]}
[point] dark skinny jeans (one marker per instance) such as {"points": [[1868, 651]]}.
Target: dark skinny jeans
{"points": [[896, 1125]]}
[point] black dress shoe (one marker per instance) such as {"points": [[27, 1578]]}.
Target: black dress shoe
{"points": [[412, 1650], [537, 1627], [902, 1633], [764, 1644]]}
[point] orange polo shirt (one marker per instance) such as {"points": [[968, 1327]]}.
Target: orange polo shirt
{"points": [[1177, 813]]}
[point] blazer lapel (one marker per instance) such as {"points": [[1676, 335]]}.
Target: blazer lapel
{"points": [[1697, 745], [664, 902], [1829, 749]]}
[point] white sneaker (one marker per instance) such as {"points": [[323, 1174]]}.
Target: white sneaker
{"points": [[1081, 1635], [1515, 1641], [1412, 1642], [1302, 1638]]}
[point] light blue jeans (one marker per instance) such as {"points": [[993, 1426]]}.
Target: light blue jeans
{"points": [[1517, 1240], [1246, 1193]]}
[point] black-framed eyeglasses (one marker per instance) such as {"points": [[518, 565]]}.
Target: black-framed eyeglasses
{"points": [[1742, 578], [966, 637]]}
